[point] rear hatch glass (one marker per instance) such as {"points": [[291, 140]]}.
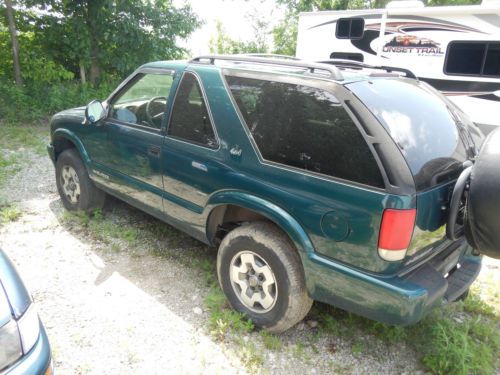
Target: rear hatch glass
{"points": [[431, 132], [435, 137]]}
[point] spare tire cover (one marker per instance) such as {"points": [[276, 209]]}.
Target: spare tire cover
{"points": [[483, 206]]}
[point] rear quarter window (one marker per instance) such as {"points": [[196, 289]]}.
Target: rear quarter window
{"points": [[305, 128]]}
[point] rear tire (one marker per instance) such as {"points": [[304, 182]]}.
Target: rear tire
{"points": [[76, 189], [261, 274]]}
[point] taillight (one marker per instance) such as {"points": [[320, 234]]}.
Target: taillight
{"points": [[396, 230]]}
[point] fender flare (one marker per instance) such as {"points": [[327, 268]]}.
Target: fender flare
{"points": [[273, 212], [70, 136]]}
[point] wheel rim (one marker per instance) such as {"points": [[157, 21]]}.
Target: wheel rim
{"points": [[70, 184], [253, 281]]}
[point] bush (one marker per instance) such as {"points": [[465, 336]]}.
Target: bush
{"points": [[34, 102]]}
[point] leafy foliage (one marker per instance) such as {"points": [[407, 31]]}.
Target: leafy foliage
{"points": [[33, 102], [223, 43], [95, 40]]}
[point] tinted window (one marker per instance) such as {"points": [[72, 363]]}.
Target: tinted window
{"points": [[306, 128], [350, 28], [144, 101], [422, 123], [473, 58], [492, 62], [190, 120]]}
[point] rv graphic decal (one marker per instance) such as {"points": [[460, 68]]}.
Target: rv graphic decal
{"points": [[412, 44]]}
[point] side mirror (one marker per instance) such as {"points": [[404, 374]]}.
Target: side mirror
{"points": [[94, 112]]}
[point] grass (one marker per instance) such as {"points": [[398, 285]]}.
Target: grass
{"points": [[9, 165], [270, 341], [461, 338], [103, 229], [14, 137], [9, 213], [249, 354], [14, 140]]}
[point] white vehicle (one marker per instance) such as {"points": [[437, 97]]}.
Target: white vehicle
{"points": [[456, 49]]}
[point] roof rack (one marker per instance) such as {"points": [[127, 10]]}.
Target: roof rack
{"points": [[360, 65], [332, 71], [271, 56]]}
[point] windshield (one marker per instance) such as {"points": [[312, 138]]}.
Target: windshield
{"points": [[431, 134]]}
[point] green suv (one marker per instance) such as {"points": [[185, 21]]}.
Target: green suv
{"points": [[315, 181]]}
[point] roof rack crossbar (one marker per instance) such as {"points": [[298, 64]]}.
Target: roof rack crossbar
{"points": [[357, 64], [312, 67]]}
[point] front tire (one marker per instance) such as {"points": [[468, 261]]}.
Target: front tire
{"points": [[76, 189], [261, 275]]}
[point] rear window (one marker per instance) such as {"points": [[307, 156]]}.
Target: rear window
{"points": [[423, 125], [306, 128]]}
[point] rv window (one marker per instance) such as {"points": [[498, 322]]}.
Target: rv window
{"points": [[347, 56], [350, 28], [492, 63], [473, 58]]}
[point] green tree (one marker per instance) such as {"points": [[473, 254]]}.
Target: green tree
{"points": [[109, 36], [224, 44]]}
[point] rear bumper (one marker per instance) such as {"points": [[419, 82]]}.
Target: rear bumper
{"points": [[398, 300]]}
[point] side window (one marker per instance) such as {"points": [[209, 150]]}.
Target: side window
{"points": [[350, 28], [144, 101], [190, 120], [473, 58], [306, 128]]}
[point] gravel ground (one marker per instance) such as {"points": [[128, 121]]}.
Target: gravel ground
{"points": [[109, 312]]}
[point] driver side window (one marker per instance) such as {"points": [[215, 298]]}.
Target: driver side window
{"points": [[144, 101]]}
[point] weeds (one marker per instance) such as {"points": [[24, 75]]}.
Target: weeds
{"points": [[222, 319], [102, 228], [462, 338], [9, 213], [270, 341], [358, 347], [249, 354]]}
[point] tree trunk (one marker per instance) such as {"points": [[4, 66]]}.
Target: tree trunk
{"points": [[92, 16], [15, 45], [83, 77], [95, 69]]}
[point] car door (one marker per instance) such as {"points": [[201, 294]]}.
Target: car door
{"points": [[192, 162], [134, 138]]}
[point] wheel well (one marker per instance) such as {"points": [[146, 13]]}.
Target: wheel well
{"points": [[61, 144], [225, 218]]}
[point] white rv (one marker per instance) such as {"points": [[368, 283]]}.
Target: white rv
{"points": [[456, 49]]}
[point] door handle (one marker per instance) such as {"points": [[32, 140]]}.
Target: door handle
{"points": [[154, 151]]}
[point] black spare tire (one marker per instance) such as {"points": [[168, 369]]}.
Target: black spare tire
{"points": [[482, 227]]}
